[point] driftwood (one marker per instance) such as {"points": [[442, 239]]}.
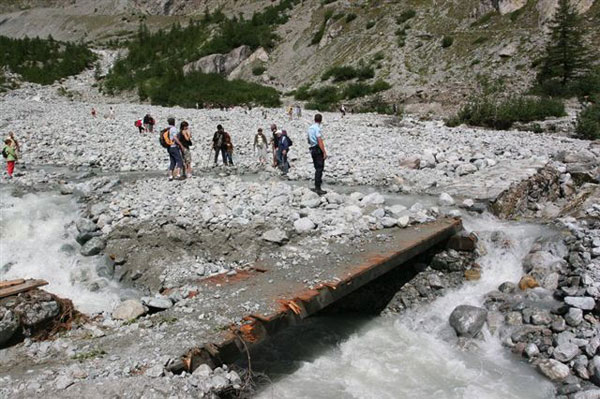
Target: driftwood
{"points": [[14, 287]]}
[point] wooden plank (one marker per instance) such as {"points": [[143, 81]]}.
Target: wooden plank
{"points": [[24, 287], [10, 283]]}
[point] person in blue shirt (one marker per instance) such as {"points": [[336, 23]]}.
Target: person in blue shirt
{"points": [[175, 148], [317, 151]]}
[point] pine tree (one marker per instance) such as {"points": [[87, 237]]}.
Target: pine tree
{"points": [[566, 55]]}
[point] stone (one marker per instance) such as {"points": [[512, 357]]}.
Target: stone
{"points": [[514, 318], [403, 221], [574, 317], [388, 222], [472, 274], [276, 236], [468, 203], [218, 382], [445, 200], [565, 352], [36, 313], [462, 241], [550, 282], [592, 347], [397, 210], [129, 310], [553, 369], [372, 199], [594, 370], [531, 350], [411, 163], [222, 64], [507, 287], [93, 247], [160, 303], [559, 325], [581, 302], [589, 394], [465, 169], [468, 320], [8, 327], [304, 225], [527, 282], [203, 371], [155, 371], [85, 226], [541, 317], [62, 382]]}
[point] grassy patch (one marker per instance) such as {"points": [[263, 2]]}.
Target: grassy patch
{"points": [[484, 19], [258, 70], [370, 24], [89, 355], [405, 16], [319, 34], [480, 40], [344, 73], [588, 123], [447, 41], [350, 17]]}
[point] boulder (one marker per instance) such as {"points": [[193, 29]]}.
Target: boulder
{"points": [[85, 225], [462, 241], [222, 64], [565, 352], [589, 394], [445, 199], [304, 225], [553, 369], [574, 317], [581, 302], [594, 370], [129, 310], [277, 236], [468, 320], [36, 313], [527, 282], [8, 327], [372, 199], [93, 247], [161, 303]]}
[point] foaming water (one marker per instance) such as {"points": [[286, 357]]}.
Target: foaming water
{"points": [[34, 243], [414, 355]]}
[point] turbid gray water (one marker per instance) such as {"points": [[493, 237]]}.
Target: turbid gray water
{"points": [[414, 354]]}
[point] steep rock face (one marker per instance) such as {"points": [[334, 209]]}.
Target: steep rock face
{"points": [[508, 6], [219, 63]]}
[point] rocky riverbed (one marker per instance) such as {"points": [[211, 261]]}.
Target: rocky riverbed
{"points": [[180, 252]]}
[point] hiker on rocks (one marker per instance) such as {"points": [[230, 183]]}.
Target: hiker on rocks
{"points": [[175, 149], [10, 153], [111, 112], [274, 142], [317, 151], [343, 110], [140, 125], [228, 149], [93, 112], [149, 123], [185, 138], [260, 146], [283, 148], [219, 144]]}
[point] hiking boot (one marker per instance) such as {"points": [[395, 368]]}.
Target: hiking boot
{"points": [[320, 192], [180, 178], [170, 178]]}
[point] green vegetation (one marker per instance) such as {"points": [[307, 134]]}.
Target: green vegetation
{"points": [[319, 34], [377, 105], [89, 355], [405, 16], [503, 114], [401, 33], [357, 90], [370, 24], [44, 60], [566, 63], [447, 41], [327, 97], [484, 19], [350, 17], [258, 70], [154, 62], [344, 73], [480, 40], [588, 122]]}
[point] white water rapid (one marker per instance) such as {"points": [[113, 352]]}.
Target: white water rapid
{"points": [[412, 356], [36, 241]]}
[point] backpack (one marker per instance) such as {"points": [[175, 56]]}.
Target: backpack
{"points": [[220, 140], [164, 138], [138, 123], [4, 153]]}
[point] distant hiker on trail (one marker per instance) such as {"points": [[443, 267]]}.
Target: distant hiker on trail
{"points": [[185, 138], [274, 142], [111, 112], [93, 112], [228, 149], [260, 146], [343, 110], [283, 148], [290, 112], [175, 148], [298, 111], [317, 151], [10, 153], [220, 143], [149, 123], [140, 126]]}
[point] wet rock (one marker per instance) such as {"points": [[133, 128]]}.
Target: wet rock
{"points": [[472, 274], [304, 225], [372, 199], [468, 320], [514, 318], [105, 267], [129, 310], [445, 199], [82, 238], [553, 369], [589, 394], [93, 247], [462, 241], [8, 327], [403, 221], [277, 236], [85, 225], [531, 350], [397, 210], [574, 317], [528, 282], [565, 352], [584, 303], [507, 287]]}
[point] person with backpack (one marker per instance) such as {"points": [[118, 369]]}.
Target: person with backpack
{"points": [[274, 142], [147, 119], [185, 138], [140, 125], [169, 136], [260, 146], [221, 143], [283, 148], [9, 152], [317, 151]]}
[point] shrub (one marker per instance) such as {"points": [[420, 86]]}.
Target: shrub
{"points": [[338, 16], [370, 24], [484, 19], [344, 73], [405, 16], [378, 56], [480, 40], [258, 70], [588, 123], [302, 93], [319, 34], [501, 115], [447, 41], [350, 17]]}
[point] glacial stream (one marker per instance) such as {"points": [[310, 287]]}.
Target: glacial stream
{"points": [[37, 240], [414, 354]]}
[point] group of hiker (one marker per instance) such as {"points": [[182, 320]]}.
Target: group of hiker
{"points": [[145, 124], [178, 143]]}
